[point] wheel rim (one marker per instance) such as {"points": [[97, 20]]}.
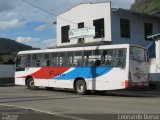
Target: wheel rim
{"points": [[80, 87], [31, 84]]}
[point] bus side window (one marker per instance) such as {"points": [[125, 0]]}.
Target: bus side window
{"points": [[40, 58], [46, 61], [88, 58], [20, 64], [61, 59], [97, 57], [114, 57], [54, 59], [18, 61], [69, 58], [37, 63], [28, 61], [77, 61], [106, 58], [33, 60], [97, 62]]}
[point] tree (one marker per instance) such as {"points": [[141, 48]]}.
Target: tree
{"points": [[146, 6]]}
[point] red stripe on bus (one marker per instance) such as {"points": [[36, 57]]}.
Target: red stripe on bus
{"points": [[47, 73]]}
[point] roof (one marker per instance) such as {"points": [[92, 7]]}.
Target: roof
{"points": [[83, 4], [154, 37], [66, 49], [153, 15], [156, 13]]}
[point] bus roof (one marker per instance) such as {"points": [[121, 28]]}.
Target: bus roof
{"points": [[78, 48]]}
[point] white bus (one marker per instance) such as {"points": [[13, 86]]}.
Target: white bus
{"points": [[99, 68]]}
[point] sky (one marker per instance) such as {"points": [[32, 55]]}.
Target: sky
{"points": [[30, 25]]}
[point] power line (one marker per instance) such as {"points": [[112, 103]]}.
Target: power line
{"points": [[30, 3]]}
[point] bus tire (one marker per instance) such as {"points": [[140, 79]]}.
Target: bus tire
{"points": [[30, 84], [80, 87]]}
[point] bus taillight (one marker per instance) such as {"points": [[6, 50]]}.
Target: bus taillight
{"points": [[126, 83]]}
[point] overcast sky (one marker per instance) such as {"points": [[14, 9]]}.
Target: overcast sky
{"points": [[27, 24]]}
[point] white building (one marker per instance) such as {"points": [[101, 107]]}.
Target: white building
{"points": [[112, 26], [106, 25]]}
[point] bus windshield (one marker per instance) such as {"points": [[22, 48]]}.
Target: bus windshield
{"points": [[138, 54]]}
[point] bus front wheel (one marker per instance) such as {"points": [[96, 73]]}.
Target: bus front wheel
{"points": [[80, 87], [30, 84]]}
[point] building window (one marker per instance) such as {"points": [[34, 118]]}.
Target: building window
{"points": [[64, 34], [148, 29], [99, 28], [81, 25], [125, 28]]}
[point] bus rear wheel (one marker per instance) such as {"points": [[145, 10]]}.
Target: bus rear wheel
{"points": [[80, 87], [30, 84]]}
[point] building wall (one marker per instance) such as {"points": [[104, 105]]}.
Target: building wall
{"points": [[88, 12], [155, 64], [7, 74], [136, 27], [85, 13]]}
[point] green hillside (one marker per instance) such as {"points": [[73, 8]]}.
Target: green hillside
{"points": [[146, 6], [9, 48]]}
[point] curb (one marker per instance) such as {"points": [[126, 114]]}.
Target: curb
{"points": [[136, 94]]}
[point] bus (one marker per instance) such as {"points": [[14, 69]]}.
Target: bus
{"points": [[97, 68]]}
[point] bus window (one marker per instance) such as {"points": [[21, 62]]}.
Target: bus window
{"points": [[46, 61], [97, 57], [92, 58], [33, 60], [61, 61], [69, 58], [121, 60], [116, 57], [39, 61], [23, 61], [54, 59], [88, 61], [46, 56], [77, 59], [20, 63], [137, 54], [28, 60]]}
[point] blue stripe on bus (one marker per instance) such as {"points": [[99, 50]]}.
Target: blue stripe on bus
{"points": [[84, 72]]}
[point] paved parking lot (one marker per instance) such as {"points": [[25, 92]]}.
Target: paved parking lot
{"points": [[67, 105]]}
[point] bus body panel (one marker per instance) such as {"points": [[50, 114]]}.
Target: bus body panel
{"points": [[96, 77], [139, 67], [139, 72]]}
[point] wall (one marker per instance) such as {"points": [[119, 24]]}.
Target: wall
{"points": [[155, 64], [85, 13], [136, 27], [7, 74]]}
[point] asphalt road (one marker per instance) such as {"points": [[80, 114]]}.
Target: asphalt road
{"points": [[68, 105]]}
